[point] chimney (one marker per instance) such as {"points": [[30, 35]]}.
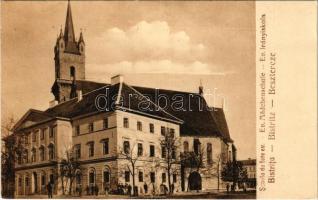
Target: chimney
{"points": [[117, 79], [79, 95], [53, 103]]}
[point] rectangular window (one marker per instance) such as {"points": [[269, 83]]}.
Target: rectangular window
{"points": [[209, 153], [34, 135], [152, 150], [140, 149], [139, 126], [91, 149], [126, 122], [78, 151], [163, 130], [42, 135], [141, 177], [77, 130], [91, 127], [151, 128], [173, 153], [52, 131], [171, 131], [126, 147], [127, 176], [105, 146], [105, 123], [163, 152], [26, 139], [164, 178], [152, 177], [174, 177]]}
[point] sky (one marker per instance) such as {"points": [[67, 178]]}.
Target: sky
{"points": [[169, 45]]}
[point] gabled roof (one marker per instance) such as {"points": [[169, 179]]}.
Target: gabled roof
{"points": [[129, 101], [31, 117], [196, 117], [199, 119]]}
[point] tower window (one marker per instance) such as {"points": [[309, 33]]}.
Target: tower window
{"points": [[72, 72]]}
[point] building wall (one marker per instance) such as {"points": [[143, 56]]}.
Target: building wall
{"points": [[210, 173], [61, 140], [67, 136], [145, 163], [65, 60], [96, 136]]}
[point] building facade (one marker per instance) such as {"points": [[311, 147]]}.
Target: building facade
{"points": [[100, 123], [250, 166]]}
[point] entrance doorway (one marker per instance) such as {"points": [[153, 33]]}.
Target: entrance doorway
{"points": [[195, 181]]}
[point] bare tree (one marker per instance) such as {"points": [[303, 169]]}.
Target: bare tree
{"points": [[11, 147], [169, 144], [69, 165], [132, 156]]}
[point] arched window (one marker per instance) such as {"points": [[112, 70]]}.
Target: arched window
{"points": [[91, 177], [185, 146], [33, 155], [209, 153], [72, 72], [78, 179], [42, 153], [51, 151], [106, 176]]}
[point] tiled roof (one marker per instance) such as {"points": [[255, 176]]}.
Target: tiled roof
{"points": [[196, 118], [87, 86]]}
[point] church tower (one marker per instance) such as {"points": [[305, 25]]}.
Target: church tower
{"points": [[69, 61]]}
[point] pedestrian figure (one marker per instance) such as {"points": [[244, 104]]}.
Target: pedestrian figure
{"points": [[49, 190], [227, 188], [244, 187], [129, 189], [146, 188], [96, 190], [172, 188]]}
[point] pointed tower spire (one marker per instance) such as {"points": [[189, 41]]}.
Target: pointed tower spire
{"points": [[69, 35], [61, 32], [81, 39]]}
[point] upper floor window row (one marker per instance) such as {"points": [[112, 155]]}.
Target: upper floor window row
{"points": [[164, 130], [91, 127], [40, 134]]}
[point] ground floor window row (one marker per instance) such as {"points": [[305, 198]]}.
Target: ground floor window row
{"points": [[35, 182]]}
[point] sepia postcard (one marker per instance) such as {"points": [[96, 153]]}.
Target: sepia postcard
{"points": [[158, 99]]}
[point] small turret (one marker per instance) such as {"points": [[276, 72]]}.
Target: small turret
{"points": [[81, 44], [201, 88]]}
